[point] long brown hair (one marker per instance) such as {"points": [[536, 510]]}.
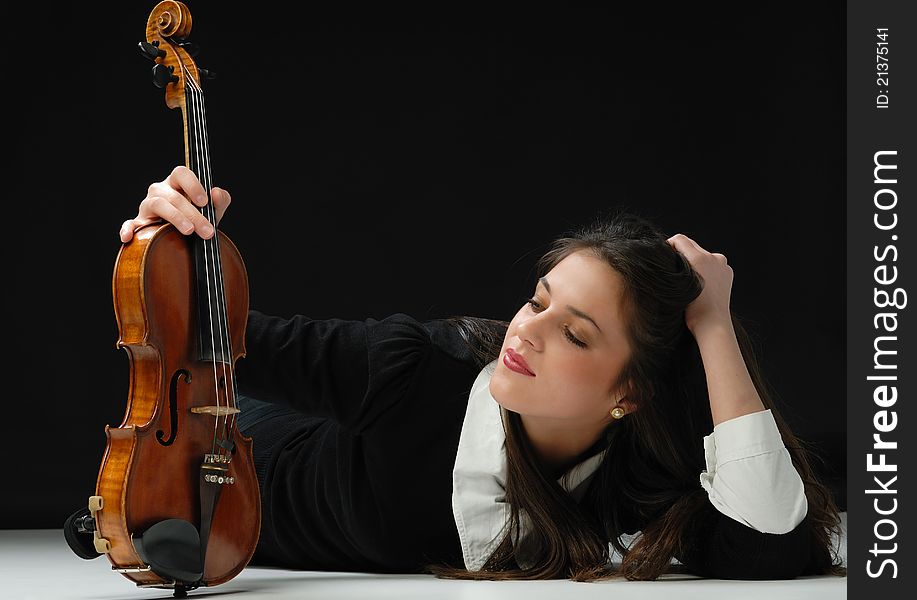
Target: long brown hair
{"points": [[649, 475]]}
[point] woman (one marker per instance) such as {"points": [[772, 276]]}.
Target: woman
{"points": [[480, 449]]}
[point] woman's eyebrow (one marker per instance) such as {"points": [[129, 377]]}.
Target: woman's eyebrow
{"points": [[575, 311]]}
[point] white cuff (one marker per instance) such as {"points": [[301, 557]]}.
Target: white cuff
{"points": [[750, 476]]}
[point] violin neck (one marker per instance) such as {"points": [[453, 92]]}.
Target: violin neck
{"points": [[213, 343], [197, 145]]}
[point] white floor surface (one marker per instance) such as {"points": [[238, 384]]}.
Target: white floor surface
{"points": [[38, 564]]}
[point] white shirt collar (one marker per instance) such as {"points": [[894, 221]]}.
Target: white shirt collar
{"points": [[479, 478]]}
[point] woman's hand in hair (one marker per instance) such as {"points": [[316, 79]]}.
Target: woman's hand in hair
{"points": [[711, 307], [177, 199]]}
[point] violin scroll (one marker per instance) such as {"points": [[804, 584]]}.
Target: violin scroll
{"points": [[167, 31]]}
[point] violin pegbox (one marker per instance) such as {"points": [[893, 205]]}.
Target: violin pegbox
{"points": [[167, 45]]}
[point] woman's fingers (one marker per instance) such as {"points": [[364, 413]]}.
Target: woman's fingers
{"points": [[182, 179], [716, 278], [127, 231], [684, 244], [177, 199], [221, 200], [176, 209], [178, 202], [691, 249]]}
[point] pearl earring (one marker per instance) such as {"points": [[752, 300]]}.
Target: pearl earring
{"points": [[617, 412]]}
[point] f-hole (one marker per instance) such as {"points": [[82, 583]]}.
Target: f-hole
{"points": [[173, 408]]}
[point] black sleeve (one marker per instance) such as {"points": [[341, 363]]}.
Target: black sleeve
{"points": [[718, 546], [349, 371]]}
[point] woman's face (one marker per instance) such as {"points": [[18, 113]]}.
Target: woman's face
{"points": [[572, 337]]}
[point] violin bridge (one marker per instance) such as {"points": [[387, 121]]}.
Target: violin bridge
{"points": [[217, 458], [217, 411]]}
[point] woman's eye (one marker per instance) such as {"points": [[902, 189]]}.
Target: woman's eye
{"points": [[573, 339], [536, 306], [533, 303]]}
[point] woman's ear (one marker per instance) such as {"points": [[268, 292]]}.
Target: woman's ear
{"points": [[625, 403]]}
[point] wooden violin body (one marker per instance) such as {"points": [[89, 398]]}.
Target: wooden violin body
{"points": [[151, 467], [177, 501]]}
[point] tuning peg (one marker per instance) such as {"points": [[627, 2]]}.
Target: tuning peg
{"points": [[190, 47], [206, 73], [162, 75], [151, 51]]}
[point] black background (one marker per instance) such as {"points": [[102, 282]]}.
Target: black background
{"points": [[418, 162]]}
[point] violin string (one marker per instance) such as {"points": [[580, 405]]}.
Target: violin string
{"points": [[196, 155], [225, 340], [197, 149]]}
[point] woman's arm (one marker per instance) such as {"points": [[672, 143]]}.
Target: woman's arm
{"points": [[757, 530], [732, 393], [719, 547], [351, 371]]}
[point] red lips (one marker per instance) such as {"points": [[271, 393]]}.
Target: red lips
{"points": [[518, 360]]}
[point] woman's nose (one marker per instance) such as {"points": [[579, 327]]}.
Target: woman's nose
{"points": [[529, 331]]}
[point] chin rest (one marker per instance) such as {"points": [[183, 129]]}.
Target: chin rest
{"points": [[172, 548], [76, 527]]}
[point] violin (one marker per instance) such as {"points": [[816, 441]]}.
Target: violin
{"points": [[177, 503]]}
